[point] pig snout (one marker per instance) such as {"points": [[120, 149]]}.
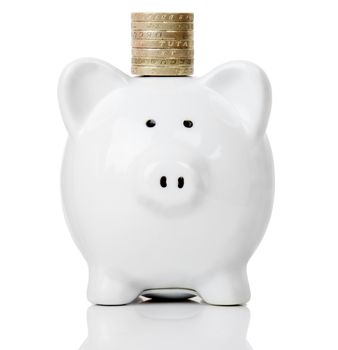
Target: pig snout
{"points": [[170, 184], [171, 176]]}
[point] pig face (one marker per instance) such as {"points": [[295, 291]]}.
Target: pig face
{"points": [[176, 157], [173, 140]]}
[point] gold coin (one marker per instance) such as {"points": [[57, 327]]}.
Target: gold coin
{"points": [[177, 53], [177, 26], [163, 44], [161, 71], [173, 35], [145, 61], [162, 17]]}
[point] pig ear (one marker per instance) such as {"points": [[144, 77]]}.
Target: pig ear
{"points": [[82, 85], [247, 88]]}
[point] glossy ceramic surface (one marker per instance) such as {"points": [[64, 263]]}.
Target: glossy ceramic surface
{"points": [[166, 182]]}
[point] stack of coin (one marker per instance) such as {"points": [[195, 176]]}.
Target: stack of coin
{"points": [[162, 44]]}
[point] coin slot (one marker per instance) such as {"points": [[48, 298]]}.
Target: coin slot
{"points": [[180, 182], [163, 181], [150, 123], [188, 123]]}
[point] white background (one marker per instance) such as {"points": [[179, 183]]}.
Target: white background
{"points": [[293, 274]]}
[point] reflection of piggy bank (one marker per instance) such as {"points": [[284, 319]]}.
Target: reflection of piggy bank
{"points": [[167, 182], [189, 326]]}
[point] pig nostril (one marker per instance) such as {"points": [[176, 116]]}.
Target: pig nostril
{"points": [[180, 182], [163, 181], [150, 123]]}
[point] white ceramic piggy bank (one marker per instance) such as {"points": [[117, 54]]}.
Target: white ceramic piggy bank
{"points": [[167, 182]]}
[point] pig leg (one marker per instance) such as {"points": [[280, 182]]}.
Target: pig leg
{"points": [[225, 288], [105, 289]]}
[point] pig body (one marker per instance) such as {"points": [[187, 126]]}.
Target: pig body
{"points": [[167, 182]]}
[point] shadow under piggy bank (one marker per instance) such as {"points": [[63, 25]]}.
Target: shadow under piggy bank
{"points": [[167, 325]]}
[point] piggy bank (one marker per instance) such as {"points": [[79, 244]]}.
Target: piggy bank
{"points": [[167, 182]]}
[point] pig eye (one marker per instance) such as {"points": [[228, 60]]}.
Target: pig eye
{"points": [[188, 123], [150, 123]]}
